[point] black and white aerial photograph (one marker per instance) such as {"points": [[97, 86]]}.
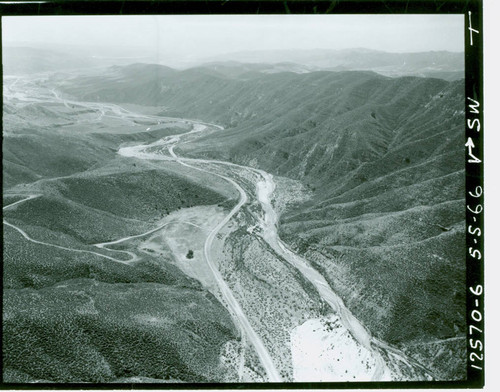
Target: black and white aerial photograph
{"points": [[213, 199]]}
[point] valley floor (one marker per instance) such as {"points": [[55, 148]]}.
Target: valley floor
{"points": [[292, 325]]}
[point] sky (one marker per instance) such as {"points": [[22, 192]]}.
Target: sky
{"points": [[202, 36]]}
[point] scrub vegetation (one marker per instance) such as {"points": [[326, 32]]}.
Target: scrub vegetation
{"points": [[377, 164]]}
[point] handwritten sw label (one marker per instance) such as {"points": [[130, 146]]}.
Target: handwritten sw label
{"points": [[473, 124]]}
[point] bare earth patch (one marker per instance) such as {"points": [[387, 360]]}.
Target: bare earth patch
{"points": [[322, 350], [186, 230]]}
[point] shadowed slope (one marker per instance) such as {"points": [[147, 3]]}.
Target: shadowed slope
{"points": [[384, 159]]}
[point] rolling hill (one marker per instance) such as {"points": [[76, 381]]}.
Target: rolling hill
{"points": [[70, 315], [383, 159], [439, 64]]}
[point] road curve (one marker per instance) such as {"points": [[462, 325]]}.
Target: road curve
{"points": [[265, 188], [349, 321], [235, 308], [28, 238], [29, 197]]}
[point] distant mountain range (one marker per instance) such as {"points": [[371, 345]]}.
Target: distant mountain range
{"points": [[25, 60], [442, 64], [22, 60]]}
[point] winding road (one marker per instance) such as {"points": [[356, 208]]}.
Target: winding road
{"points": [[164, 149], [264, 188], [234, 307], [27, 237]]}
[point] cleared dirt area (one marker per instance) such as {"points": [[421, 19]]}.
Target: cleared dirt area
{"points": [[186, 230], [277, 299]]}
